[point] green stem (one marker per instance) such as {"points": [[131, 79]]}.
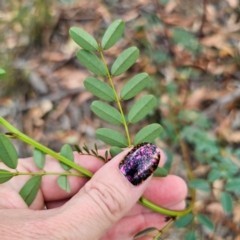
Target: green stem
{"points": [[117, 99], [43, 173], [39, 146]]}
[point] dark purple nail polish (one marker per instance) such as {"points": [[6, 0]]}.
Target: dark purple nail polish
{"points": [[140, 163]]}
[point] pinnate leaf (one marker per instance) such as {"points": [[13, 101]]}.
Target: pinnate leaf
{"points": [[99, 88], [226, 201], [30, 189], [106, 112], [83, 39], [148, 133], [206, 221], [91, 62], [63, 183], [190, 236], [66, 151], [200, 184], [112, 34], [39, 158], [4, 176], [141, 108], [114, 151], [2, 73], [8, 153], [183, 221], [134, 86], [111, 137], [124, 61], [213, 175]]}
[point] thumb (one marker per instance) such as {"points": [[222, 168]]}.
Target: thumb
{"points": [[111, 193]]}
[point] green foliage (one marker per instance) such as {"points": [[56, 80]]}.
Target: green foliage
{"points": [[200, 184], [141, 108], [205, 221], [106, 112], [83, 39], [5, 176], [114, 151], [190, 236], [112, 34], [99, 88], [124, 61], [213, 175], [144, 232], [8, 153], [2, 73], [39, 158], [63, 183], [226, 201], [134, 86], [184, 220], [91, 62], [30, 189], [148, 133], [66, 151], [233, 185], [160, 172], [111, 137]]}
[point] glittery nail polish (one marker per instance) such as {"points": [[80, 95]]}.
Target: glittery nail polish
{"points": [[140, 163]]}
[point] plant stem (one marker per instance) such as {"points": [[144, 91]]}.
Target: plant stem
{"points": [[117, 99], [42, 173], [44, 149]]}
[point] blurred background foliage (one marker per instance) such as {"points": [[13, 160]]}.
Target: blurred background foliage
{"points": [[191, 50]]}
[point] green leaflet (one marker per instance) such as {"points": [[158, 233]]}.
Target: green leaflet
{"points": [[200, 184], [183, 221], [8, 153], [106, 112], [114, 151], [141, 108], [4, 176], [148, 133], [113, 34], [124, 61], [91, 62], [83, 39], [66, 151], [39, 158], [226, 201], [190, 236], [2, 73], [233, 185], [160, 172], [63, 183], [111, 137], [213, 175], [145, 232], [206, 221], [99, 88], [30, 189], [134, 86]]}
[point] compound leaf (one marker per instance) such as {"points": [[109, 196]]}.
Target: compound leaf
{"points": [[114, 151], [63, 183], [83, 39], [91, 62], [134, 86], [8, 153], [30, 189], [106, 112], [200, 184], [124, 61], [112, 34], [206, 221], [226, 201], [111, 137], [148, 133], [5, 175], [99, 88], [141, 108], [183, 221], [39, 158], [66, 151]]}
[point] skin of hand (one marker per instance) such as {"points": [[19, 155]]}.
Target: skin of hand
{"points": [[103, 207]]}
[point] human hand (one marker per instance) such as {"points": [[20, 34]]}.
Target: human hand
{"points": [[102, 208]]}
